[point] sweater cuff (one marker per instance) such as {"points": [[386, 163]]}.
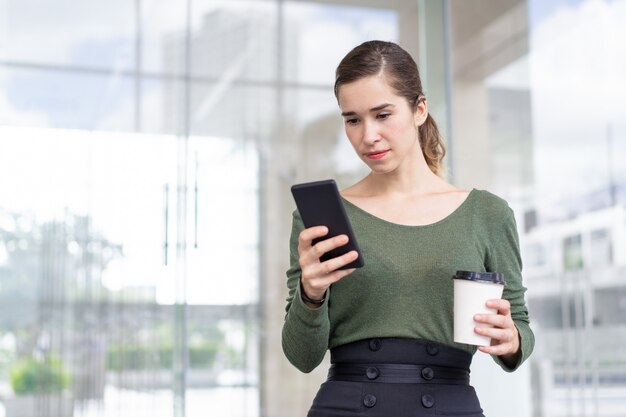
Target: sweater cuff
{"points": [[527, 342], [313, 317]]}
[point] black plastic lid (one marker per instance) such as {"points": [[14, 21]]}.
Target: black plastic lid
{"points": [[493, 277]]}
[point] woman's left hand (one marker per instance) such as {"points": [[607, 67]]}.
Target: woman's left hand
{"points": [[504, 335]]}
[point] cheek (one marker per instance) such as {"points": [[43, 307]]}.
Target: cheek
{"points": [[410, 129], [397, 128]]}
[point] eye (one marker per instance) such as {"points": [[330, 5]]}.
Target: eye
{"points": [[383, 116], [351, 121]]}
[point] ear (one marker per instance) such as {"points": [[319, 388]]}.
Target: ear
{"points": [[421, 112]]}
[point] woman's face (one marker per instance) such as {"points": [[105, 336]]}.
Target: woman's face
{"points": [[380, 124]]}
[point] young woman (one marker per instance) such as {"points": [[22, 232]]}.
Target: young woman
{"points": [[389, 325]]}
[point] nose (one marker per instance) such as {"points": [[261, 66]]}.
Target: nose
{"points": [[371, 134]]}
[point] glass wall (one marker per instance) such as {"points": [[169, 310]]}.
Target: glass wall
{"points": [[129, 222], [145, 151], [537, 92], [147, 148]]}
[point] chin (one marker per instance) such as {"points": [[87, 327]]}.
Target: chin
{"points": [[381, 168]]}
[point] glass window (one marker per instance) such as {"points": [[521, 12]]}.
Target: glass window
{"points": [[610, 305], [67, 99], [601, 248], [309, 25], [572, 253], [63, 35], [535, 255], [90, 268], [518, 71], [234, 41]]}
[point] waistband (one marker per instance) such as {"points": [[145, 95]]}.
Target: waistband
{"points": [[407, 361]]}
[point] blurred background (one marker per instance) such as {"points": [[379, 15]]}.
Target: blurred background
{"points": [[147, 148]]}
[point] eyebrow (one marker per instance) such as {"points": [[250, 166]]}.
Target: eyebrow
{"points": [[373, 109]]}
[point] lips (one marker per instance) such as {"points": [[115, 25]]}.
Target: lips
{"points": [[377, 154]]}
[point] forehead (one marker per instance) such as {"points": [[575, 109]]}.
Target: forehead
{"points": [[366, 93]]}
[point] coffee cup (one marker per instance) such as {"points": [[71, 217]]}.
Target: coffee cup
{"points": [[471, 292]]}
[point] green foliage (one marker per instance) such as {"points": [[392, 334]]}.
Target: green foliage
{"points": [[6, 358], [33, 376], [201, 355]]}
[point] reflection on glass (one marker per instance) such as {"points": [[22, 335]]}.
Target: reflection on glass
{"points": [[162, 35], [583, 192], [223, 222], [318, 35], [242, 113], [601, 248], [64, 35], [518, 75], [572, 253], [41, 98], [249, 54], [86, 286]]}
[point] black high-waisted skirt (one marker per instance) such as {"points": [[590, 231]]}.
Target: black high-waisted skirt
{"points": [[397, 378]]}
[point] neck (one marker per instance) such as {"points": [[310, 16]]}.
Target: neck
{"points": [[412, 178]]}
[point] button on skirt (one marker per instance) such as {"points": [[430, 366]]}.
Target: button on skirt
{"points": [[397, 378]]}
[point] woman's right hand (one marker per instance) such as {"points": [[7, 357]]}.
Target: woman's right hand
{"points": [[318, 276]]}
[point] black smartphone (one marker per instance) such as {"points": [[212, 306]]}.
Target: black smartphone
{"points": [[319, 204]]}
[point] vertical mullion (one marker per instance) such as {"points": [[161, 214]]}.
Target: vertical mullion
{"points": [[447, 32], [180, 354], [138, 66]]}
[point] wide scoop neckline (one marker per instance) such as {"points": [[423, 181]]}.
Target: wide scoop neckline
{"points": [[453, 214]]}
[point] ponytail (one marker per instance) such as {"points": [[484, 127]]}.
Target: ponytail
{"points": [[432, 145]]}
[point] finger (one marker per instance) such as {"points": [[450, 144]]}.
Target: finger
{"points": [[503, 341], [313, 254], [497, 350], [502, 305], [326, 245], [321, 275], [496, 320], [307, 235], [498, 335], [337, 275], [334, 264], [500, 347]]}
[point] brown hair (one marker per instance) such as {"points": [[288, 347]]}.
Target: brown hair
{"points": [[376, 57]]}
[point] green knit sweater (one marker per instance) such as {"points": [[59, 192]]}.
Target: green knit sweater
{"points": [[405, 289]]}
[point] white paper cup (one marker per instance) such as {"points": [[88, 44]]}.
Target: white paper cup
{"points": [[471, 292]]}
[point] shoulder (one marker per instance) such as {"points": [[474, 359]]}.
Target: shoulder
{"points": [[495, 221], [490, 206]]}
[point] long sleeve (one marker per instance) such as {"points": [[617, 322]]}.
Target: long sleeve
{"points": [[306, 330], [504, 256], [406, 276]]}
